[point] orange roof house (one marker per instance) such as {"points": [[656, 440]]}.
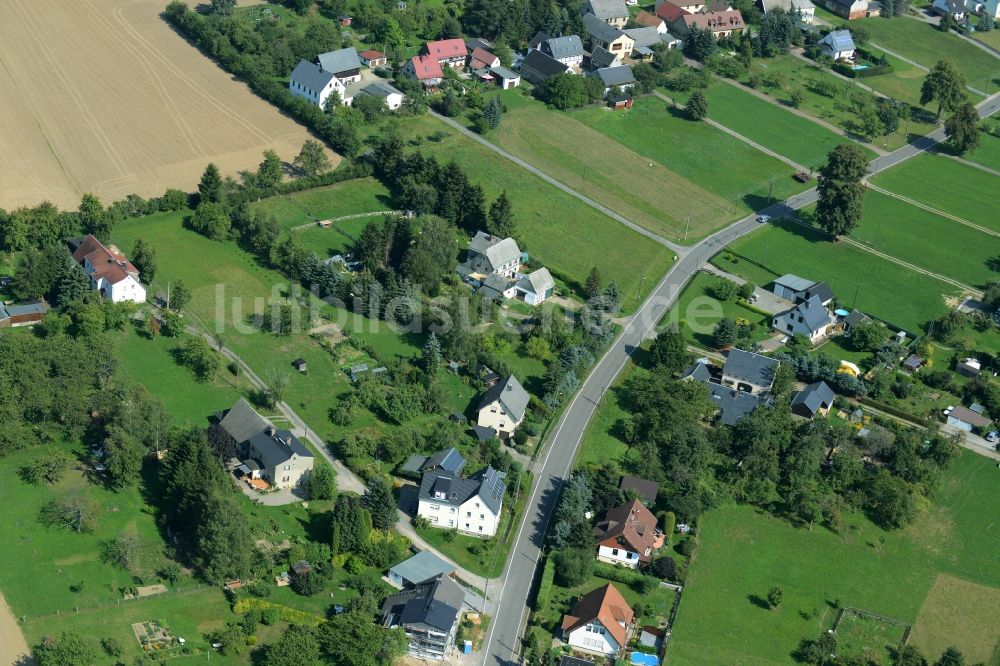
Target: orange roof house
{"points": [[600, 621]]}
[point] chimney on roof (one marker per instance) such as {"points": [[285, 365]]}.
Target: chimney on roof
{"points": [[271, 431], [288, 440]]}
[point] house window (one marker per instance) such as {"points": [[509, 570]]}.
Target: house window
{"points": [[480, 528], [614, 551], [468, 514], [616, 47], [477, 505], [287, 467], [434, 520], [451, 510], [435, 507], [493, 410], [482, 516], [451, 523], [789, 326]]}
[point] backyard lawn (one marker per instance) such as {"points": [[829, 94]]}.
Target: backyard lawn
{"points": [[798, 139], [727, 167], [347, 197], [565, 234], [743, 552], [858, 278], [924, 44], [946, 185], [925, 239]]}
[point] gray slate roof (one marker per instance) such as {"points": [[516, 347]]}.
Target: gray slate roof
{"points": [[432, 605], [242, 421], [504, 73], [538, 66], [341, 60], [794, 282], [606, 9], [820, 289], [814, 397], [449, 460], [8, 311], [276, 450], [732, 404], [698, 371], [511, 396], [380, 89], [422, 567], [856, 317], [805, 318], [496, 251], [447, 488], [599, 29], [537, 282], [838, 40], [615, 76], [563, 47], [601, 57], [646, 36], [311, 76], [750, 367]]}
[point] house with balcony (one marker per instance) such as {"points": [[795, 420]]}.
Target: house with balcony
{"points": [[628, 535], [429, 613]]}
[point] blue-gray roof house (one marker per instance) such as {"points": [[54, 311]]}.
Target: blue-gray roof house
{"points": [[429, 615], [421, 568], [345, 64], [749, 372], [809, 318], [838, 44], [814, 399]]}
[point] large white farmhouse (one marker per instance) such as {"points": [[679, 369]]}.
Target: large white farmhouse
{"points": [[469, 505], [109, 271], [315, 84]]}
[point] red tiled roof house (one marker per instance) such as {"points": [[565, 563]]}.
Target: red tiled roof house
{"points": [[628, 535], [600, 622]]}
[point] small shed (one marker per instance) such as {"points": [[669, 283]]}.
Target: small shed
{"points": [[346, 20], [300, 365], [301, 567], [484, 434], [454, 367], [619, 102], [325, 224], [913, 363], [381, 370], [969, 367], [966, 419], [458, 417], [358, 370]]}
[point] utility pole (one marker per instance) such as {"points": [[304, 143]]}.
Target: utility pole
{"points": [[855, 302], [764, 258], [770, 189], [878, 230], [687, 225], [168, 295]]}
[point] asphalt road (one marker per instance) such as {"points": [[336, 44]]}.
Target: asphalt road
{"points": [[503, 644]]}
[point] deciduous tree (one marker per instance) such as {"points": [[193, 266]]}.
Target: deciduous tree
{"points": [[841, 193], [312, 159], [946, 84], [962, 128], [144, 258]]}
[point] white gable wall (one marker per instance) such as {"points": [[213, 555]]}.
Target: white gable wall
{"points": [[593, 638]]}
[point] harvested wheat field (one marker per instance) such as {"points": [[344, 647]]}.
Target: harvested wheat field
{"points": [[103, 96]]}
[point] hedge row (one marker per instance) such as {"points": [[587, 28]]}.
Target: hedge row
{"points": [[871, 70], [289, 615], [545, 584]]}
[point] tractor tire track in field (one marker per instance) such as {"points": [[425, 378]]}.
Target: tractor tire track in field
{"points": [[156, 80], [118, 13], [73, 93], [937, 212]]}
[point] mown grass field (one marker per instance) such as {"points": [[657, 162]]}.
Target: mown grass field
{"points": [[564, 233], [743, 552], [723, 165], [988, 152], [603, 169], [943, 620], [348, 197], [151, 362], [924, 44], [927, 240], [798, 139], [858, 278], [946, 185], [903, 83]]}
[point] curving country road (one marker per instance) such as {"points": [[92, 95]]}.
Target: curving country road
{"points": [[503, 644]]}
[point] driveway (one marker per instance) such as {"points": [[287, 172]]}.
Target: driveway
{"points": [[771, 302], [13, 648]]}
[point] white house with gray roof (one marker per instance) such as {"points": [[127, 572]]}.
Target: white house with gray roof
{"points": [[620, 77], [315, 84], [503, 407], [533, 288], [429, 614], [471, 505], [612, 12], [809, 318], [838, 44], [393, 97], [277, 456], [345, 64], [568, 49], [491, 254], [805, 8]]}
